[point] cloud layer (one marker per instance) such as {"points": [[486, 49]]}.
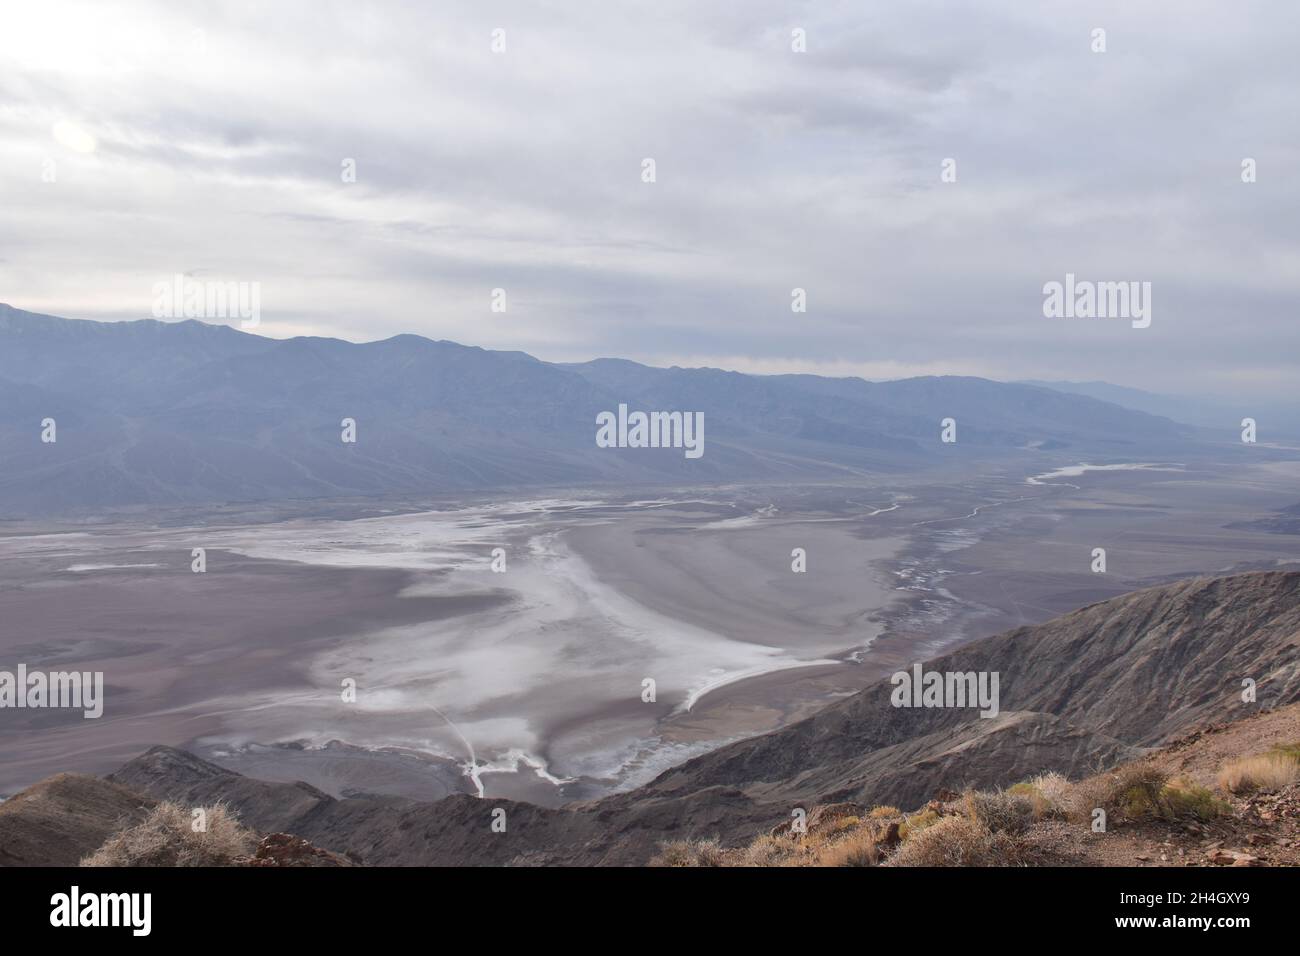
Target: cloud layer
{"points": [[212, 144]]}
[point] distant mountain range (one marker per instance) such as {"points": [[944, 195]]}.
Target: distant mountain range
{"points": [[1277, 419], [150, 412]]}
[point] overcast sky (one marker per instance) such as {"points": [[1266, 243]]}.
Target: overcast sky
{"points": [[208, 139]]}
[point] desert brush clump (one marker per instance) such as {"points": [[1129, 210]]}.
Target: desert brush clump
{"points": [[1046, 796], [957, 841], [1182, 799], [690, 853], [844, 840], [917, 822], [1131, 793], [167, 837], [1267, 771], [768, 850], [1287, 750], [1002, 811], [1139, 792], [1050, 793], [842, 825], [855, 849]]}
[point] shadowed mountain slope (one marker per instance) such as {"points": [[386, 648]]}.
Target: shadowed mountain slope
{"points": [[1095, 684], [65, 817], [153, 412]]}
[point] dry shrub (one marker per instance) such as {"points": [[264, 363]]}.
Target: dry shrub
{"points": [[1288, 750], [1001, 812], [857, 849], [915, 824], [1137, 792], [768, 850], [1055, 791], [847, 841], [1140, 792], [884, 812], [957, 841], [1182, 798], [690, 853], [841, 825], [1131, 793], [1270, 771], [1048, 795], [1087, 795], [166, 837]]}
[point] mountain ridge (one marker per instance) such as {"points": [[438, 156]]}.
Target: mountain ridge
{"points": [[158, 413]]}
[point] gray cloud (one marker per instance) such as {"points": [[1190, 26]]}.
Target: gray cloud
{"points": [[219, 138]]}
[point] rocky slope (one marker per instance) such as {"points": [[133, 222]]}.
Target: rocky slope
{"points": [[1081, 691], [1094, 688], [61, 819], [1188, 803]]}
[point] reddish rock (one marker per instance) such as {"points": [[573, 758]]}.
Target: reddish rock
{"points": [[281, 849], [1233, 858]]}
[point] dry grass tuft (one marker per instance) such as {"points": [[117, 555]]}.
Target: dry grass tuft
{"points": [[1002, 811], [166, 837], [1269, 771], [1137, 791], [916, 823], [1288, 750], [1055, 791], [841, 825], [1131, 793], [1140, 792], [1182, 799], [957, 841], [691, 853], [769, 851], [857, 849]]}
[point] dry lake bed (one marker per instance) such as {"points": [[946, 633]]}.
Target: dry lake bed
{"points": [[556, 648]]}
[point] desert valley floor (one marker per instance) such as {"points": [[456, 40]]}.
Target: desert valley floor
{"points": [[527, 682]]}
